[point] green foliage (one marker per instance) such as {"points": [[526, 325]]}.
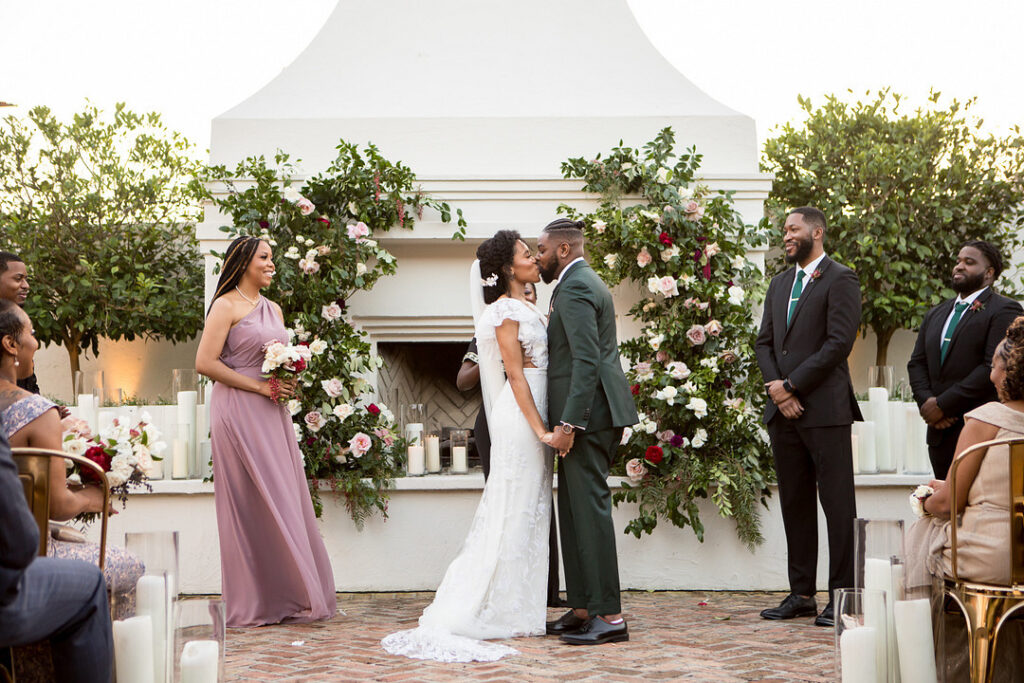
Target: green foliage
{"points": [[901, 192], [102, 209], [695, 377], [323, 255]]}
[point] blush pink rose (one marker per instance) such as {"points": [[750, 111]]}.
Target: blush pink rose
{"points": [[712, 249], [360, 444], [661, 356], [693, 210], [643, 259], [358, 231], [306, 207], [696, 335], [668, 286], [314, 420], [714, 328], [635, 470]]}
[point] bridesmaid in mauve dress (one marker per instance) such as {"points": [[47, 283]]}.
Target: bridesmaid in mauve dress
{"points": [[274, 567]]}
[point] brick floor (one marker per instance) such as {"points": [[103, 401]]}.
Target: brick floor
{"points": [[673, 637]]}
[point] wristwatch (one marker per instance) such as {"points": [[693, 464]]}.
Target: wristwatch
{"points": [[787, 386], [566, 428]]}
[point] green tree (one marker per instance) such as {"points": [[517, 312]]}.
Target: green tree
{"points": [[901, 191], [102, 209]]}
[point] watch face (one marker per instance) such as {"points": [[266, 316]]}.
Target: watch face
{"points": [[567, 429]]}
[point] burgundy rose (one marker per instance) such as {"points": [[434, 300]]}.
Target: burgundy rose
{"points": [[310, 440], [702, 239], [264, 225], [654, 454], [299, 365], [341, 304], [372, 409], [98, 456], [304, 343], [677, 440], [665, 239], [325, 220], [635, 389], [727, 384]]}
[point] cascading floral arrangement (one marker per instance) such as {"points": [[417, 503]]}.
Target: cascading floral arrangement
{"points": [[693, 372], [321, 230]]}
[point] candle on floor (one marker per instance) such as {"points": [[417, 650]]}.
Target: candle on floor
{"points": [[151, 600], [416, 461], [200, 661], [460, 462], [878, 575], [857, 647], [433, 453], [133, 649], [914, 638]]}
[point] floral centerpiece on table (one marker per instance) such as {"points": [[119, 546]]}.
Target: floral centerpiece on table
{"points": [[692, 367], [323, 232], [127, 450]]}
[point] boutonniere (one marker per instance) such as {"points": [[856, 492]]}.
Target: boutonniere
{"points": [[977, 306], [816, 274]]}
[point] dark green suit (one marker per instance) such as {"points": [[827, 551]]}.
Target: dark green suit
{"points": [[587, 389]]}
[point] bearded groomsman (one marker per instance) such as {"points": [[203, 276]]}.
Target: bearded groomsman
{"points": [[810, 321], [952, 358]]}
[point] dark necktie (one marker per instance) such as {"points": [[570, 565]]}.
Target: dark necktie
{"points": [[794, 298], [958, 312]]}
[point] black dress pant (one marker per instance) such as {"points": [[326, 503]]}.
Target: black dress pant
{"points": [[811, 463], [941, 453], [483, 448]]}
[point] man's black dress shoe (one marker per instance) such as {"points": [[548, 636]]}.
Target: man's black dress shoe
{"points": [[793, 606], [557, 602], [597, 631], [567, 623], [827, 617]]}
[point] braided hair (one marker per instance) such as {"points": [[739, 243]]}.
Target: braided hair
{"points": [[496, 256], [236, 262], [1011, 350]]}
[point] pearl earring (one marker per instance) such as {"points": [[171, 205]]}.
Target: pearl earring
{"points": [[16, 362]]}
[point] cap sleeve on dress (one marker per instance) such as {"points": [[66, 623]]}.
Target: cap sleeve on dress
{"points": [[500, 311]]}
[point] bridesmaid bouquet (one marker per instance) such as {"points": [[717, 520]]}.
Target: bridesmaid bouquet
{"points": [[282, 361], [127, 449]]}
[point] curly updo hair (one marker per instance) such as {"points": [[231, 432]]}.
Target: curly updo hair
{"points": [[496, 256], [10, 322], [1011, 350]]}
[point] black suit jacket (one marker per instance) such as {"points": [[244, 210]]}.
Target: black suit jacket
{"points": [[19, 535], [960, 383], [812, 351]]}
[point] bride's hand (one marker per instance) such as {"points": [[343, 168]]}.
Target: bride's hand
{"points": [[547, 438]]}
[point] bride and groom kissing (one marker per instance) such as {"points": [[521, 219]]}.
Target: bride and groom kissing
{"points": [[560, 370]]}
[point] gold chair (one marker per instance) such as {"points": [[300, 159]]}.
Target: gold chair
{"points": [[987, 607], [34, 473]]}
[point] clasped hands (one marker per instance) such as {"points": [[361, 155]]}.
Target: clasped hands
{"points": [[560, 441], [786, 401], [285, 388], [933, 415]]}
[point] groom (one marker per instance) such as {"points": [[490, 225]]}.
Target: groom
{"points": [[589, 404]]}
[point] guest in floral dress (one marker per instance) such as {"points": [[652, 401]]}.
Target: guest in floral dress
{"points": [[30, 420]]}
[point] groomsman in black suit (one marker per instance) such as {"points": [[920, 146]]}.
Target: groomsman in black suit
{"points": [[953, 355], [811, 317]]}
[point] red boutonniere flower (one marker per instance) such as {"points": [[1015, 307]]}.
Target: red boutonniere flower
{"points": [[816, 274], [977, 306], [654, 454]]}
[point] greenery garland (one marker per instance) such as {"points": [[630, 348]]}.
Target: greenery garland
{"points": [[693, 371], [322, 232]]}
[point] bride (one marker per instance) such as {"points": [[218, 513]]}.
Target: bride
{"points": [[496, 587]]}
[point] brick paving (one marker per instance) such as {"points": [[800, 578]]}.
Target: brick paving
{"points": [[673, 637]]}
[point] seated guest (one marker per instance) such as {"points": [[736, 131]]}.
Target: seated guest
{"points": [[41, 598], [30, 420], [14, 288], [983, 495]]}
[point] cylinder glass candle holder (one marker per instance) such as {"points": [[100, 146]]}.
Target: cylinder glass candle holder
{"points": [[861, 636], [459, 439], [882, 376], [199, 641]]}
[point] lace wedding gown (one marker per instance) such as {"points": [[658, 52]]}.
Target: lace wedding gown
{"points": [[496, 587]]}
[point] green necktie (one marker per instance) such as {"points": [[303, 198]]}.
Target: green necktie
{"points": [[948, 337], [794, 298]]}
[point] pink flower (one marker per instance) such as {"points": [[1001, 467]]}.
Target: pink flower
{"points": [[703, 305], [358, 231], [77, 426], [643, 259], [360, 444], [333, 387], [661, 356], [695, 335], [323, 250], [385, 436], [635, 470], [666, 435], [667, 286], [714, 328], [308, 266], [678, 370], [331, 312], [693, 210], [306, 207], [643, 370], [712, 249], [729, 356], [314, 420], [691, 302]]}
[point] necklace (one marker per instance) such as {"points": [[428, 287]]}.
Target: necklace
{"points": [[242, 294]]}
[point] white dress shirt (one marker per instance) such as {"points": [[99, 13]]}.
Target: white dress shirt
{"points": [[969, 299], [808, 272]]}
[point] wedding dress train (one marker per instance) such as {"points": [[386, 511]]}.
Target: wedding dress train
{"points": [[496, 587]]}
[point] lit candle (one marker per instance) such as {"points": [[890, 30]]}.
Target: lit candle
{"points": [[914, 637], [151, 600], [460, 462], [433, 453], [416, 461], [133, 649], [200, 661], [857, 647]]}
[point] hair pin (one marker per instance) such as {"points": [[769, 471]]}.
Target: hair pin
{"points": [[490, 281]]}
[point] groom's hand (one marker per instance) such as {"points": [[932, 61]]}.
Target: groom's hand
{"points": [[777, 392], [562, 442], [791, 409]]}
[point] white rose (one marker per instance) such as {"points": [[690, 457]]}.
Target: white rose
{"points": [[699, 407], [331, 312], [656, 341], [650, 427], [317, 346], [360, 269], [75, 446], [670, 253], [662, 175], [599, 227], [294, 406], [611, 259], [668, 394], [333, 387], [736, 295], [627, 434], [298, 431], [711, 363], [342, 411], [700, 437], [678, 370], [353, 209], [739, 262], [291, 194]]}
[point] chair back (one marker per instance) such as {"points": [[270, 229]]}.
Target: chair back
{"points": [[34, 473]]}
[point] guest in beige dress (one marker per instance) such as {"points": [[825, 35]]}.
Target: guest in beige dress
{"points": [[983, 495]]}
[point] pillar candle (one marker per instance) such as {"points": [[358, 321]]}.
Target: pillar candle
{"points": [[206, 457], [878, 406], [104, 418], [916, 446], [460, 462], [866, 459], [878, 574], [200, 661], [133, 649], [416, 461], [857, 647], [914, 638], [87, 410], [179, 459], [151, 600], [855, 447], [897, 434], [433, 453]]}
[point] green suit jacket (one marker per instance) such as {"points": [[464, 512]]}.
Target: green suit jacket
{"points": [[586, 385]]}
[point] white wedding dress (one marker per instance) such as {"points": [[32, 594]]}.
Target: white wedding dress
{"points": [[496, 587]]}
